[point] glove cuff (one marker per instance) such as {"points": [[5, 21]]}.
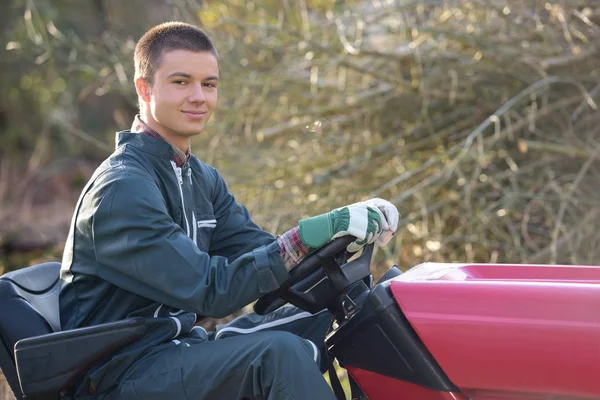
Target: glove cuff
{"points": [[316, 231], [292, 250]]}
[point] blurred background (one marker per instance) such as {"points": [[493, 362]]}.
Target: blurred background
{"points": [[478, 119]]}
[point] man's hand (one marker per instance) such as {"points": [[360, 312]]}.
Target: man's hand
{"points": [[369, 221], [390, 222]]}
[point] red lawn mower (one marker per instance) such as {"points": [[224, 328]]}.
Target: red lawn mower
{"points": [[455, 331], [435, 332]]}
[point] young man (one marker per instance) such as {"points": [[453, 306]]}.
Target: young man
{"points": [[157, 234]]}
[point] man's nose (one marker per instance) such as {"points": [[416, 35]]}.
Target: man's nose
{"points": [[197, 94]]}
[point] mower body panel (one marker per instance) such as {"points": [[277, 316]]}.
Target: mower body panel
{"points": [[508, 331], [380, 387]]}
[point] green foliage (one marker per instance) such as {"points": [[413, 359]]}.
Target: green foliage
{"points": [[478, 121]]}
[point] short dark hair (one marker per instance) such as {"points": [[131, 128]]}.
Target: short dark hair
{"points": [[164, 37]]}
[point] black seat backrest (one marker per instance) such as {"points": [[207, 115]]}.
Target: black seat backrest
{"points": [[40, 286], [28, 307]]}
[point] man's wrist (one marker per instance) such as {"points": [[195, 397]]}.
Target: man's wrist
{"points": [[293, 251]]}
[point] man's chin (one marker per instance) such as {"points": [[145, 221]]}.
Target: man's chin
{"points": [[191, 130]]}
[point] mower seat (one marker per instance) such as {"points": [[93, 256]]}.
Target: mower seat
{"points": [[39, 360]]}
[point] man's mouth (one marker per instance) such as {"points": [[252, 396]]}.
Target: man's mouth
{"points": [[194, 114]]}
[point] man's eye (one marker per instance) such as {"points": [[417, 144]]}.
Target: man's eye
{"points": [[179, 82], [210, 85]]}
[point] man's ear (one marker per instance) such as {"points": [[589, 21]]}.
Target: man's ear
{"points": [[143, 89]]}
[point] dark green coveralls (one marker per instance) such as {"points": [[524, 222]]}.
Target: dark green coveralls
{"points": [[171, 244]]}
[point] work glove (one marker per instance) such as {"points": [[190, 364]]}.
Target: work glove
{"points": [[390, 222], [365, 220]]}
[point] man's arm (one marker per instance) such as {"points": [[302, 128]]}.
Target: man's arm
{"points": [[141, 249], [375, 219], [235, 233]]}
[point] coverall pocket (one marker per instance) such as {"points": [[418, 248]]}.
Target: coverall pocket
{"points": [[166, 385], [205, 226], [157, 377], [127, 391]]}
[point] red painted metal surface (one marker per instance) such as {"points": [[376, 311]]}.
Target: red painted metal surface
{"points": [[508, 330], [495, 395], [380, 387]]}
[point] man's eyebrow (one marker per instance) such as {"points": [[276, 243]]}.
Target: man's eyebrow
{"points": [[183, 74], [186, 75]]}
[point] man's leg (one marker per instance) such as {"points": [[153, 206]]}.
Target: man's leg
{"points": [[290, 319], [261, 366]]}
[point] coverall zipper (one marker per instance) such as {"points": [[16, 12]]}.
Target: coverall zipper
{"points": [[180, 180], [195, 224]]}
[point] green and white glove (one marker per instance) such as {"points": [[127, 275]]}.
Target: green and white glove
{"points": [[390, 222], [360, 220]]}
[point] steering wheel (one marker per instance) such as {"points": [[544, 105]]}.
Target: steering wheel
{"points": [[320, 278]]}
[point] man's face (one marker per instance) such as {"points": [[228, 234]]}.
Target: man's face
{"points": [[183, 96]]}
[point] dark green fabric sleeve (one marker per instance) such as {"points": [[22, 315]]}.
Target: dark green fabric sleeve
{"points": [[236, 234]]}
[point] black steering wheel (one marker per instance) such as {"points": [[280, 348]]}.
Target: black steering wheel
{"points": [[320, 278]]}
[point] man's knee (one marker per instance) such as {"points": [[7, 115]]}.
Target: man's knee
{"points": [[285, 366], [285, 346]]}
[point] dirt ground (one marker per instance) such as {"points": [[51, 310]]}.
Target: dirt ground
{"points": [[5, 392]]}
